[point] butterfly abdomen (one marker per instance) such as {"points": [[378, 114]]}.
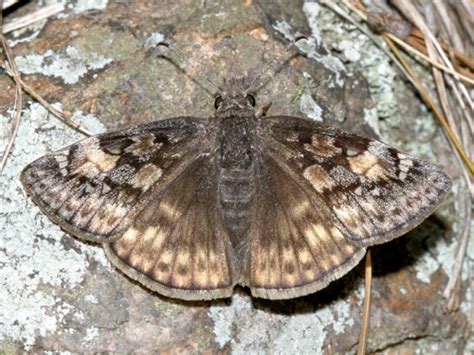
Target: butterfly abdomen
{"points": [[236, 192], [236, 174]]}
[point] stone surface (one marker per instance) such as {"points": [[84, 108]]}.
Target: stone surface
{"points": [[102, 65]]}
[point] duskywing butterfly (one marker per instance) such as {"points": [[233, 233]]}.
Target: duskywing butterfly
{"points": [[192, 207]]}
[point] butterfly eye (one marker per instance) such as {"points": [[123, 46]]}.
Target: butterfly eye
{"points": [[251, 100], [218, 102]]}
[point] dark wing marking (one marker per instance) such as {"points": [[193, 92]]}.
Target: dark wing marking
{"points": [[177, 245], [374, 193], [94, 188]]}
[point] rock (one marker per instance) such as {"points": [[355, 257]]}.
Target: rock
{"points": [[60, 294]]}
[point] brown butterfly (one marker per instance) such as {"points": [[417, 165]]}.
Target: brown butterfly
{"points": [[192, 207]]}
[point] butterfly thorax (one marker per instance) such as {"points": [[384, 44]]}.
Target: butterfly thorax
{"points": [[236, 165]]}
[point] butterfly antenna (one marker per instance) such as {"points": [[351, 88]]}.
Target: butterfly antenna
{"points": [[269, 74], [182, 68]]}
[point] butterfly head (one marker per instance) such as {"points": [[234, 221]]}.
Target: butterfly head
{"points": [[234, 95]]}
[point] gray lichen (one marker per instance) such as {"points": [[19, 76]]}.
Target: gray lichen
{"points": [[261, 329], [69, 66], [32, 255], [310, 107]]}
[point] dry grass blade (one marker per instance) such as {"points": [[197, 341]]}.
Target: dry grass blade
{"points": [[448, 24], [426, 96], [411, 77], [447, 127], [436, 64], [365, 318], [437, 53], [36, 16], [417, 42], [442, 94], [18, 95], [409, 74]]}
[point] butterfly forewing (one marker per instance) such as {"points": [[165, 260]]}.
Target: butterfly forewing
{"points": [[177, 245], [96, 187], [372, 193]]}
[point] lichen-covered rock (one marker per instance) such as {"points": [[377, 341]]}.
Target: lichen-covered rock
{"points": [[59, 294]]}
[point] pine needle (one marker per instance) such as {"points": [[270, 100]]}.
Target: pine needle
{"points": [[364, 332]]}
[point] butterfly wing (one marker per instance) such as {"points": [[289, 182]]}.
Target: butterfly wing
{"points": [[177, 245], [375, 193], [94, 188], [322, 196], [293, 248]]}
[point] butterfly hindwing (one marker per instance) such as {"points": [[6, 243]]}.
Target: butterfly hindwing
{"points": [[374, 193], [177, 245], [293, 248], [94, 188]]}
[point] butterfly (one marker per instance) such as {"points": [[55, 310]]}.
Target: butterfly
{"points": [[191, 207]]}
